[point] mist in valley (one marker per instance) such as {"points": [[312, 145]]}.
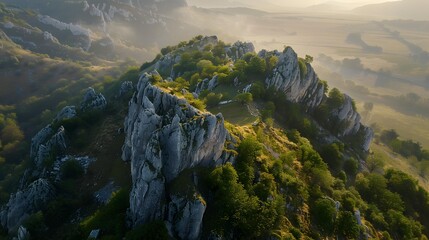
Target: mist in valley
{"points": [[377, 52]]}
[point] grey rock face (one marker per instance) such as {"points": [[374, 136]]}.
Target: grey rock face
{"points": [[207, 84], [45, 142], [287, 78], [305, 88], [185, 217], [23, 233], [164, 136], [126, 87], [239, 49], [93, 101], [67, 112], [25, 202], [349, 123], [349, 118], [41, 137], [166, 63]]}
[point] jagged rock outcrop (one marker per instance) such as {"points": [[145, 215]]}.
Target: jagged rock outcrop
{"points": [[25, 202], [164, 136], [299, 82], [68, 112], [45, 143], [347, 122], [166, 63], [206, 84], [93, 101], [185, 217], [299, 87], [75, 29], [126, 87], [239, 49], [23, 233]]}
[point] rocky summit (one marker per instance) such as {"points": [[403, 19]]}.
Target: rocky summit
{"points": [[300, 85], [165, 135]]}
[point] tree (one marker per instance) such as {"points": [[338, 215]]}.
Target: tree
{"points": [[308, 59], [347, 225], [244, 98], [71, 169], [335, 98], [402, 227], [387, 136], [213, 99], [272, 63], [331, 154], [266, 186], [351, 166], [324, 214], [374, 164], [219, 50], [248, 151], [11, 132], [256, 65], [236, 213]]}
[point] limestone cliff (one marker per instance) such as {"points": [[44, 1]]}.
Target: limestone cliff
{"points": [[348, 125], [165, 135], [298, 80], [300, 84]]}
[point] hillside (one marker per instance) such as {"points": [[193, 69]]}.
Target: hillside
{"points": [[84, 30], [404, 9], [277, 156]]}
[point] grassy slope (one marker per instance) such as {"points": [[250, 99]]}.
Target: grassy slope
{"points": [[396, 161]]}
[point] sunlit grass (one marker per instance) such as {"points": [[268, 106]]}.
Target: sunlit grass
{"points": [[408, 127], [396, 161], [235, 113]]}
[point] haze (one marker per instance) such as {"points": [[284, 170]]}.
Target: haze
{"points": [[273, 5]]}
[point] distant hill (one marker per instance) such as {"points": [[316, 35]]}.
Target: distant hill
{"points": [[405, 9]]}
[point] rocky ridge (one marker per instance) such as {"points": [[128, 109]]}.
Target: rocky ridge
{"points": [[293, 76], [25, 202], [165, 135], [302, 85], [47, 143]]}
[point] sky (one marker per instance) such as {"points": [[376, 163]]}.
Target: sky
{"points": [[275, 4]]}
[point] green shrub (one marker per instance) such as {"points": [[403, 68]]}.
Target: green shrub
{"points": [[71, 169], [150, 231]]}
